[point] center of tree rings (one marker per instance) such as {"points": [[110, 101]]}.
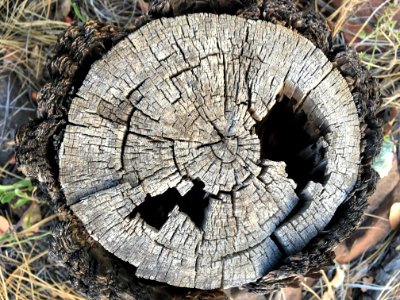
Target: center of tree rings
{"points": [[178, 158], [226, 150]]}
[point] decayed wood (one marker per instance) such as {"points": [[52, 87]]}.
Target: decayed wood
{"points": [[172, 106], [176, 101]]}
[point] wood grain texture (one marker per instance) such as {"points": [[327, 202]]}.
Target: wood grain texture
{"points": [[177, 101]]}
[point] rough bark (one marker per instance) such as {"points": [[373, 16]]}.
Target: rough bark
{"points": [[169, 158]]}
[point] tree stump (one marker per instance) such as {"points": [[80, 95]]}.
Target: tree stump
{"points": [[203, 151]]}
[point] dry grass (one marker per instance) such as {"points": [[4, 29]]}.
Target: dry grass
{"points": [[119, 12], [14, 105], [27, 30], [382, 54], [376, 39], [345, 278], [26, 270], [340, 15]]}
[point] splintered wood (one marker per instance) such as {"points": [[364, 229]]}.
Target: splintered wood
{"points": [[177, 102]]}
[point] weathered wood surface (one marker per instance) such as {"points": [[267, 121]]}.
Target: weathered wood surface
{"points": [[178, 101], [285, 135]]}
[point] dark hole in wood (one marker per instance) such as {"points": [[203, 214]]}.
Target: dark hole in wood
{"points": [[283, 137], [155, 210]]}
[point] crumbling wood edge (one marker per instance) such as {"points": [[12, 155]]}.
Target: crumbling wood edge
{"points": [[96, 272]]}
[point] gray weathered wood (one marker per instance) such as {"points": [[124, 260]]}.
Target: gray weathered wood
{"points": [[175, 102]]}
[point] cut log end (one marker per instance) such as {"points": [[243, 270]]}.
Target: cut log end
{"points": [[202, 149]]}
